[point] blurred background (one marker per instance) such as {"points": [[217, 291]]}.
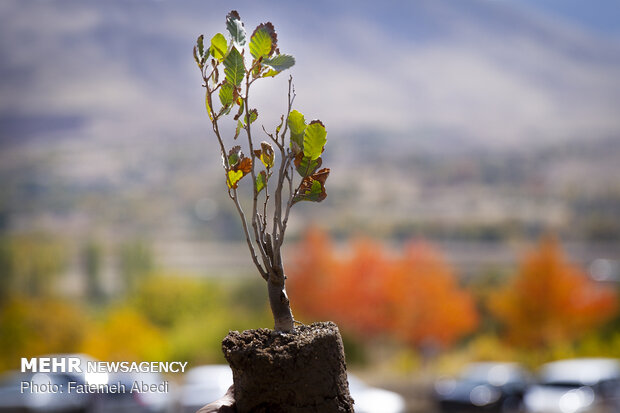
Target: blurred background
{"points": [[474, 201]]}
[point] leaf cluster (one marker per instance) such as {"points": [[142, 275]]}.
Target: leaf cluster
{"points": [[229, 66]]}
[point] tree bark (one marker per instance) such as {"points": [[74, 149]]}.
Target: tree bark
{"points": [[279, 302]]}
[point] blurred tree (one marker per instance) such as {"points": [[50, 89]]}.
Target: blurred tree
{"points": [[311, 281], [136, 263], [34, 326], [31, 264], [427, 308], [168, 298], [125, 334], [550, 300], [413, 296], [91, 255], [6, 271]]}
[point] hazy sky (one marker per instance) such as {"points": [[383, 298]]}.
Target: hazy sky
{"points": [[601, 16]]}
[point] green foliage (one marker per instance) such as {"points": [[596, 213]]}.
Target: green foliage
{"points": [[305, 166], [6, 269], [136, 263], [234, 25], [251, 117], [168, 298], [308, 140], [34, 326], [31, 264], [226, 94], [241, 69], [234, 67], [261, 181], [308, 143], [219, 46], [124, 334], [234, 176], [266, 154], [91, 262], [278, 63], [263, 41], [208, 106], [312, 187], [297, 126], [239, 166], [315, 138], [201, 46]]}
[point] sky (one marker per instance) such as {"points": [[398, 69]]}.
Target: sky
{"points": [[602, 16]]}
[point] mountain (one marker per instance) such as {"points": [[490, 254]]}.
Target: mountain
{"points": [[102, 109], [478, 72]]}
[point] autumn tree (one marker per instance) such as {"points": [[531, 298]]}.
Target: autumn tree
{"points": [[427, 306], [412, 296], [551, 300], [284, 168]]}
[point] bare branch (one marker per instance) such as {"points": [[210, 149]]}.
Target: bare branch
{"points": [[266, 189], [258, 234], [274, 140], [277, 234], [232, 192], [263, 272], [289, 204]]}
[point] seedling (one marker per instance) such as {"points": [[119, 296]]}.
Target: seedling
{"points": [[284, 169]]}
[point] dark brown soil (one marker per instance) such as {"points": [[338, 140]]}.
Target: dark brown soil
{"points": [[300, 372]]}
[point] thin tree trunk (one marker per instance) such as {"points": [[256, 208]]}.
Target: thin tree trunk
{"points": [[278, 300]]}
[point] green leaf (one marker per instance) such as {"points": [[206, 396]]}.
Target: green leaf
{"points": [[280, 125], [315, 138], [312, 188], [297, 126], [219, 46], [280, 62], [208, 106], [261, 181], [201, 46], [306, 166], [233, 178], [226, 94], [234, 67], [234, 25], [240, 166], [264, 41], [265, 154], [253, 116], [234, 155], [296, 122], [240, 111], [196, 58], [239, 127]]}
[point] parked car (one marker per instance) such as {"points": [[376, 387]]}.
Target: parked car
{"points": [[484, 386], [374, 400], [203, 385], [49, 392], [42, 392], [575, 386], [160, 400]]}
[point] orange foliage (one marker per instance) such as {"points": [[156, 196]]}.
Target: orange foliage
{"points": [[426, 299], [411, 296], [551, 300]]}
